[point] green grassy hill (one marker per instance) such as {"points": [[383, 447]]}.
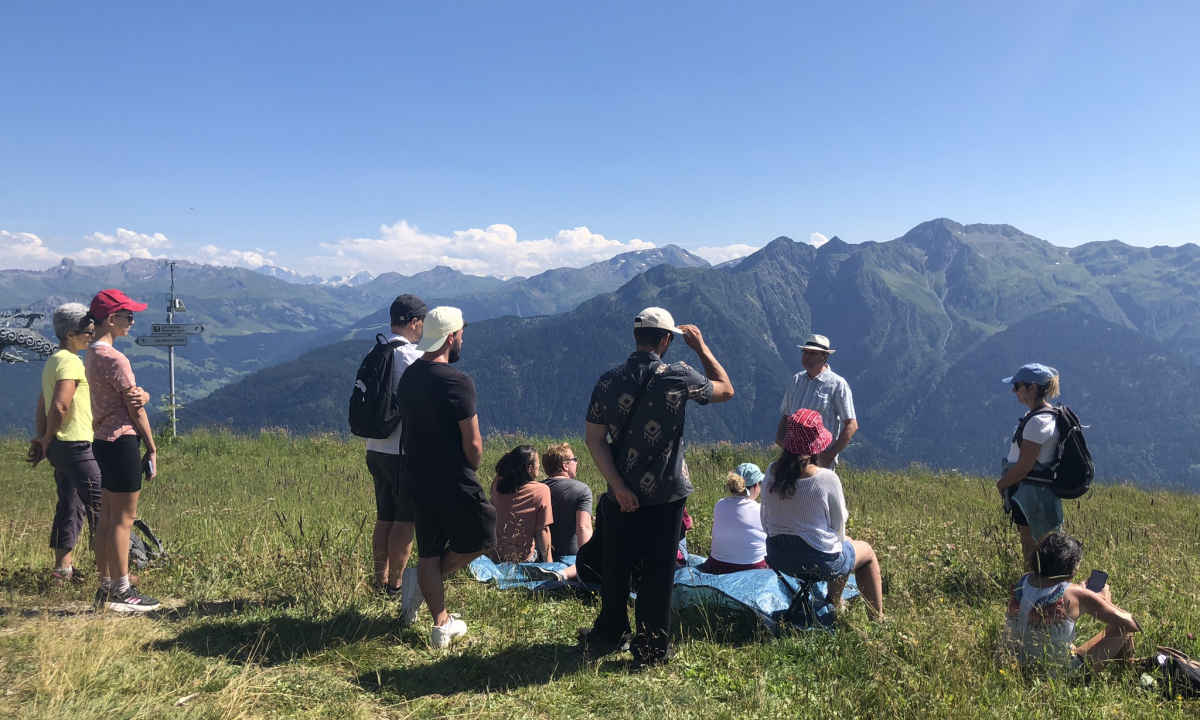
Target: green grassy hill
{"points": [[272, 615]]}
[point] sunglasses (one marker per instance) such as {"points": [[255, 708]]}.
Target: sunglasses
{"points": [[84, 332], [571, 459]]}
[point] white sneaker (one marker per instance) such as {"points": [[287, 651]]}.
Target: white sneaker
{"points": [[411, 598], [442, 635]]}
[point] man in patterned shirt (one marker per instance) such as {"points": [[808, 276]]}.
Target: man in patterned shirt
{"points": [[635, 437], [821, 389]]}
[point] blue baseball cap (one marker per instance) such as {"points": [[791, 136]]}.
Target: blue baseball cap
{"points": [[1035, 373], [750, 473]]}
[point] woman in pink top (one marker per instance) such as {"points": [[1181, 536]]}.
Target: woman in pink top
{"points": [[118, 425], [523, 514]]}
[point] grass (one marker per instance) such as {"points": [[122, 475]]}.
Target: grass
{"points": [[271, 612]]}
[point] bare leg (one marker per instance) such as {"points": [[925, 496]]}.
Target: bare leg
{"points": [[866, 573], [122, 511], [100, 539], [399, 549], [570, 573], [379, 550], [1106, 646], [1028, 543], [62, 558], [430, 575], [833, 593]]}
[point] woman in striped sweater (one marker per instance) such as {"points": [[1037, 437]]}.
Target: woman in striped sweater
{"points": [[804, 514]]}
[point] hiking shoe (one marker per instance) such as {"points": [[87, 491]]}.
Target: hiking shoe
{"points": [[62, 577], [645, 662], [533, 572], [131, 601], [594, 646], [392, 593], [411, 598], [442, 635]]}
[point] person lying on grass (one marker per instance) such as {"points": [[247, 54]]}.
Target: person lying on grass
{"points": [[1045, 605], [804, 514]]}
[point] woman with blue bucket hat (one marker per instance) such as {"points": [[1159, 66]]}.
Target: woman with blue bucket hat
{"points": [[738, 539], [1034, 445]]}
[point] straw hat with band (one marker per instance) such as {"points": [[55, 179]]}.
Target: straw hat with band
{"points": [[817, 343]]}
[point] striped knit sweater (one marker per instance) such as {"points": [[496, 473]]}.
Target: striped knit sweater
{"points": [[816, 512]]}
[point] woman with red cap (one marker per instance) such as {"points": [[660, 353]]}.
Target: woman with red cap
{"points": [[804, 514], [118, 425]]}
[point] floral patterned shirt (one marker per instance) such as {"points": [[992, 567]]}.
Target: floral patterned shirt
{"points": [[109, 376]]}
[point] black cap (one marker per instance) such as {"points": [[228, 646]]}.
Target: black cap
{"points": [[407, 307]]}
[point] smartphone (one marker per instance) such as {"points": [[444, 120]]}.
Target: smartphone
{"points": [[1097, 581], [148, 468]]}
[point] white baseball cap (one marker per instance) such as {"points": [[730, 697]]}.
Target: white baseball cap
{"points": [[655, 317], [440, 323]]}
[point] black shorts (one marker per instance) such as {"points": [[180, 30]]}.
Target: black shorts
{"points": [[120, 464], [392, 503], [1014, 510], [458, 517]]}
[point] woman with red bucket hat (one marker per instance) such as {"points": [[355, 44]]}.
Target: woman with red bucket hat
{"points": [[804, 514], [118, 426]]}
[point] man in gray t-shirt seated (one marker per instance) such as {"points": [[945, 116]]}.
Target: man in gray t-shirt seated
{"points": [[570, 502]]}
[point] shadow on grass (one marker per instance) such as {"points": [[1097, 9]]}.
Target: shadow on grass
{"points": [[269, 641], [475, 671]]}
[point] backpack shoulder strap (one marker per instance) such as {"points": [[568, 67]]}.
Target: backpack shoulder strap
{"points": [[1029, 415]]}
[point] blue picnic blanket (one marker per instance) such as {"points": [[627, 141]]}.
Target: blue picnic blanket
{"points": [[763, 592]]}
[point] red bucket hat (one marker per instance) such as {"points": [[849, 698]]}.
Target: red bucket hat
{"points": [[806, 434], [110, 301]]}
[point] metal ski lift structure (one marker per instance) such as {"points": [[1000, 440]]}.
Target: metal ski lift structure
{"points": [[19, 342]]}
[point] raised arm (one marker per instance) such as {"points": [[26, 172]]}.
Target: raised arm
{"points": [[596, 437], [722, 388], [472, 441]]}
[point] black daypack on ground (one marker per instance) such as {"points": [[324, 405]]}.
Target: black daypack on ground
{"points": [[147, 550], [374, 405], [1071, 475], [1180, 673]]}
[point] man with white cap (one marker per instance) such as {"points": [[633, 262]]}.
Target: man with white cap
{"points": [[819, 388], [442, 450], [635, 436]]}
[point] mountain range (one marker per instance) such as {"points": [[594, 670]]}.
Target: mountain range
{"points": [[924, 327]]}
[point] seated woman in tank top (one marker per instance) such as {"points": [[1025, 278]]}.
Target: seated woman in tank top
{"points": [[1046, 604], [738, 539]]}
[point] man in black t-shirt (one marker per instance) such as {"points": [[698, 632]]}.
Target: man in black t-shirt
{"points": [[442, 450], [635, 436]]}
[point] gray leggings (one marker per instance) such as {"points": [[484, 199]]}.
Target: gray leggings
{"points": [[78, 479]]}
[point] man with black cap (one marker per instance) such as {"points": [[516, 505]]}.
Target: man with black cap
{"points": [[635, 436], [821, 389], [392, 540]]}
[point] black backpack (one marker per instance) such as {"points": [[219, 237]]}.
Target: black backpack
{"points": [[374, 405], [1071, 475], [148, 551], [1180, 673]]}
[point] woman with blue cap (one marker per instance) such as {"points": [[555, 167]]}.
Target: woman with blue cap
{"points": [[738, 539], [1034, 508]]}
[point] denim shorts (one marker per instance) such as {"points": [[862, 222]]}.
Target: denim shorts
{"points": [[791, 555]]}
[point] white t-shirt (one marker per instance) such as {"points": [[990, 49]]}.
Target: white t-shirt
{"points": [[406, 354], [1040, 429], [737, 532]]}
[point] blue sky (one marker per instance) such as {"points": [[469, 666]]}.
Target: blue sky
{"points": [[392, 136]]}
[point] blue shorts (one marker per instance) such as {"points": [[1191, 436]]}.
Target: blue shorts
{"points": [[791, 555]]}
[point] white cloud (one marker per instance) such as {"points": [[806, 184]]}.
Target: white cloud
{"points": [[718, 255], [25, 251], [495, 250], [213, 255], [817, 239]]}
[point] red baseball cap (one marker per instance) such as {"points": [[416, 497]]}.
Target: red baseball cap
{"points": [[806, 434], [109, 301]]}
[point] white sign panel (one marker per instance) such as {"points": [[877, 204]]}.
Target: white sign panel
{"points": [[162, 340], [175, 328]]}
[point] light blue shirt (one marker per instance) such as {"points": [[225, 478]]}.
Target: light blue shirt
{"points": [[828, 394]]}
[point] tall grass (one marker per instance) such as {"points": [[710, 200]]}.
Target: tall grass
{"points": [[271, 611]]}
